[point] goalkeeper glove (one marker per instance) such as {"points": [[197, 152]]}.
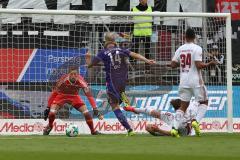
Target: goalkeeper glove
{"points": [[98, 114]]}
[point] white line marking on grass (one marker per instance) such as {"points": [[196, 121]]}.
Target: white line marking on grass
{"points": [[5, 138]]}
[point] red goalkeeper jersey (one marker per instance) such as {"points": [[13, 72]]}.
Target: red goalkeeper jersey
{"points": [[64, 86]]}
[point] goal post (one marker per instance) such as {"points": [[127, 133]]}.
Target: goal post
{"points": [[39, 46], [229, 72]]}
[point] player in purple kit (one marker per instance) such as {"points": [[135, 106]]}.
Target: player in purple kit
{"points": [[115, 60]]}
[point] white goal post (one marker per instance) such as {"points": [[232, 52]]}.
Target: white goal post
{"points": [[36, 43]]}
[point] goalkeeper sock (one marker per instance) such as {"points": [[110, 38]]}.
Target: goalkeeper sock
{"points": [[202, 109], [51, 118], [89, 121], [178, 118], [122, 119]]}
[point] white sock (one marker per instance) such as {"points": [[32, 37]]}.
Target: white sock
{"points": [[143, 110], [202, 109], [178, 118]]}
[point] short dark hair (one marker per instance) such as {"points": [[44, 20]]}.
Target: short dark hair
{"points": [[190, 34], [175, 103]]}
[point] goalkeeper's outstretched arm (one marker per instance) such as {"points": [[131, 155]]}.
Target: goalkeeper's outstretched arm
{"points": [[91, 100]]}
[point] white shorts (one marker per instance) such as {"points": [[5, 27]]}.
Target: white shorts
{"points": [[200, 94]]}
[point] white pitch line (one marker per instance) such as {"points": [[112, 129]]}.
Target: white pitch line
{"points": [[2, 138]]}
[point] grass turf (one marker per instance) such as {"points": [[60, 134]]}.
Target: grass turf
{"points": [[115, 147]]}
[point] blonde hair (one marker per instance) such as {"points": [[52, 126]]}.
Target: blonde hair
{"points": [[110, 36], [110, 39]]}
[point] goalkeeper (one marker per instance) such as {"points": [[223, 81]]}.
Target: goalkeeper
{"points": [[115, 61], [66, 91]]}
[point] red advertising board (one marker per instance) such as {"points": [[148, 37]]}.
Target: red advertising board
{"points": [[12, 62], [229, 6]]}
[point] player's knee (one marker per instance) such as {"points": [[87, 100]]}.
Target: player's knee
{"points": [[53, 111], [51, 114], [149, 128], [85, 112]]}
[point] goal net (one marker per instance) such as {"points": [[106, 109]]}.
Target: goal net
{"points": [[38, 47]]}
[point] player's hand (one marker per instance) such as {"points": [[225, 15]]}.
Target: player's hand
{"points": [[151, 61], [213, 63], [98, 114], [100, 117]]}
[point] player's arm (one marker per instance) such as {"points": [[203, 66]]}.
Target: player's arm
{"points": [[202, 65], [142, 58], [95, 60], [198, 60], [83, 84], [91, 100], [173, 64]]}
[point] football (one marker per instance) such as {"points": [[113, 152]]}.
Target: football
{"points": [[72, 130]]}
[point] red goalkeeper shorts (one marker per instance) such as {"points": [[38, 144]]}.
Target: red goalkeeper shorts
{"points": [[51, 98], [61, 99]]}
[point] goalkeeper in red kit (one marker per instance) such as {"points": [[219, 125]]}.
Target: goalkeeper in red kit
{"points": [[65, 91]]}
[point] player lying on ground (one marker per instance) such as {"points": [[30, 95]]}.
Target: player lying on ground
{"points": [[189, 58], [67, 91], [184, 129], [115, 60]]}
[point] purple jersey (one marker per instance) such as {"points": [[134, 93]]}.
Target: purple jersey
{"points": [[116, 63]]}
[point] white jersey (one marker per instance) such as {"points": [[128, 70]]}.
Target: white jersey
{"points": [[186, 55], [190, 114]]}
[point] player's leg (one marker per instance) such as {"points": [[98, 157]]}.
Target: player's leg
{"points": [[156, 131], [202, 98], [167, 117], [114, 100], [50, 101], [121, 118], [79, 105], [88, 118], [125, 99], [200, 94], [51, 117], [185, 95]]}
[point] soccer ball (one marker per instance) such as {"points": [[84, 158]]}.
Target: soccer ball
{"points": [[72, 130]]}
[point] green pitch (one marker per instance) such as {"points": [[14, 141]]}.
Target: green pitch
{"points": [[119, 147]]}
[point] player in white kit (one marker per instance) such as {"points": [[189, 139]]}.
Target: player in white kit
{"points": [[189, 58], [160, 129]]}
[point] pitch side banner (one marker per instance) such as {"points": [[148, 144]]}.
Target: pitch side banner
{"points": [[109, 126]]}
